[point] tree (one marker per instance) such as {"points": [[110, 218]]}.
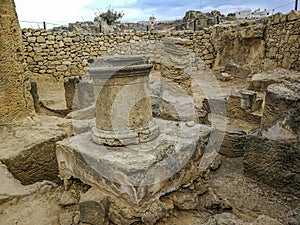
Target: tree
{"points": [[231, 14], [111, 15]]}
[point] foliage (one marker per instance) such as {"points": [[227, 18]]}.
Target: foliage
{"points": [[215, 13], [231, 14], [111, 15]]}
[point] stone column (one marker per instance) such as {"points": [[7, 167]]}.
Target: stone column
{"points": [[15, 99], [123, 104]]}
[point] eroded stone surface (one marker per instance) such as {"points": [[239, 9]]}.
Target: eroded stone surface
{"points": [[12, 187], [135, 176], [15, 99], [29, 148], [123, 104], [133, 165], [272, 153]]}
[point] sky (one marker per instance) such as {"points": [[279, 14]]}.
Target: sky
{"points": [[62, 12]]}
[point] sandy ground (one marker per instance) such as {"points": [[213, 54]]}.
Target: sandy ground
{"points": [[248, 198]]}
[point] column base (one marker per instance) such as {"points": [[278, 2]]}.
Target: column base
{"points": [[125, 137]]}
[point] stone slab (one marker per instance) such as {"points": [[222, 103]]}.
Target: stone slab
{"points": [[28, 147], [133, 171], [11, 187]]}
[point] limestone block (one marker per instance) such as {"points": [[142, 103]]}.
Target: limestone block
{"points": [[29, 149], [273, 161], [277, 18], [254, 31], [282, 106], [31, 39], [233, 144], [71, 34], [293, 15], [50, 42], [50, 37], [40, 39], [61, 68], [93, 207], [272, 152], [68, 40], [134, 179], [58, 37], [175, 103]]}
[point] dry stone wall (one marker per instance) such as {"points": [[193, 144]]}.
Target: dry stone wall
{"points": [[259, 46], [65, 54], [283, 41], [254, 46]]}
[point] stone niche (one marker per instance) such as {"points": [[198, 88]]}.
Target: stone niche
{"points": [[143, 160]]}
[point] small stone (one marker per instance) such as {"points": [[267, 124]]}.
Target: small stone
{"points": [[45, 189], [216, 163], [66, 218], [190, 123], [265, 220], [67, 198], [76, 219]]}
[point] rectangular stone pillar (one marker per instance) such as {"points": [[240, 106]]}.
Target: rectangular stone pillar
{"points": [[15, 99]]}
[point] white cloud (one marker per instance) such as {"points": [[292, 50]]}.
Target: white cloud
{"points": [[63, 12], [54, 11]]}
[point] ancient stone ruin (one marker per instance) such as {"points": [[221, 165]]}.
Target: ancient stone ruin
{"points": [[154, 127], [16, 102]]}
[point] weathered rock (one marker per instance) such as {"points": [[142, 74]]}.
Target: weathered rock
{"points": [[156, 211], [282, 105], [233, 144], [241, 106], [211, 201], [66, 218], [137, 178], [293, 15], [93, 207], [273, 162], [265, 220], [272, 153], [216, 163], [15, 99], [185, 199], [173, 67], [175, 103], [12, 187], [236, 71], [67, 199], [30, 156], [231, 42], [260, 81], [70, 86], [225, 219]]}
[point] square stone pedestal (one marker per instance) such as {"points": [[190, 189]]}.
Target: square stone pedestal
{"points": [[136, 173]]}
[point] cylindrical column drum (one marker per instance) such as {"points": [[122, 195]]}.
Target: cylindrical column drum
{"points": [[123, 103]]}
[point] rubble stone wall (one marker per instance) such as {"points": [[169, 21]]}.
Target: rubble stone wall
{"points": [[254, 46], [283, 41], [67, 53]]}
